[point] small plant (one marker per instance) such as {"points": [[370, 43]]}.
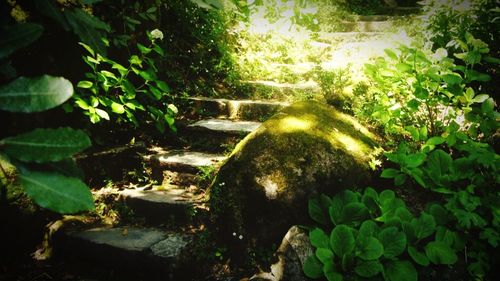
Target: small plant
{"points": [[333, 84], [114, 88], [368, 235]]}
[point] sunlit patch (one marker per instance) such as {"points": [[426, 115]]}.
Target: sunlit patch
{"points": [[292, 124], [350, 143]]}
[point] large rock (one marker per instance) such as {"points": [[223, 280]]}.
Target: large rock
{"points": [[263, 187], [291, 256]]}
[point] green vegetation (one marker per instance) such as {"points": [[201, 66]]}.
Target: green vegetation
{"points": [[76, 72], [371, 234]]}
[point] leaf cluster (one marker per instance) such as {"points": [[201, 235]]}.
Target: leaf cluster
{"points": [[125, 90], [373, 236]]}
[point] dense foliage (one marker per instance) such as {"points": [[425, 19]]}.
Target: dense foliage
{"points": [[371, 234]]}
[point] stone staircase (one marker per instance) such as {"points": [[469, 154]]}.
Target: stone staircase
{"points": [[170, 216], [359, 41], [161, 243]]}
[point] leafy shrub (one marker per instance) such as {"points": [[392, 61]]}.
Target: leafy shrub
{"points": [[333, 84], [367, 235], [42, 157], [125, 90], [425, 92], [428, 99]]}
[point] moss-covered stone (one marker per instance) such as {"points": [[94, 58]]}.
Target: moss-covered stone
{"points": [[263, 187]]}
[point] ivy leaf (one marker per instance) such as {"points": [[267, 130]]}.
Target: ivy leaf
{"points": [[400, 270], [46, 145], [313, 268], [393, 240], [342, 240], [368, 269], [440, 253], [419, 257], [369, 248], [35, 94], [18, 36], [65, 195], [319, 239]]}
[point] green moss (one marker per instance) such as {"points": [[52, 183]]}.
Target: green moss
{"points": [[264, 185]]}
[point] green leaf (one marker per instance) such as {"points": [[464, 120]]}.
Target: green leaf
{"points": [[440, 214], [339, 201], [86, 27], [325, 255], [56, 192], [435, 141], [103, 114], [368, 269], [18, 36], [389, 173], [424, 226], [474, 75], [44, 145], [480, 98], [440, 253], [117, 108], [446, 236], [386, 195], [85, 84], [400, 270], [369, 248], [353, 214], [368, 228], [155, 92], [393, 240], [313, 268], [163, 86], [319, 239], [145, 50], [35, 94], [414, 160], [330, 273], [148, 75], [391, 54], [316, 212], [438, 164], [50, 9], [419, 257], [452, 78], [342, 240]]}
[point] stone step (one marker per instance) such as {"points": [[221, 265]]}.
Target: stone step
{"points": [[225, 126], [354, 36], [149, 253], [183, 160], [235, 109], [169, 205], [367, 26]]}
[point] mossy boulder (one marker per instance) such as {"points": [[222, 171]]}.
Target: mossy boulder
{"points": [[264, 186]]}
